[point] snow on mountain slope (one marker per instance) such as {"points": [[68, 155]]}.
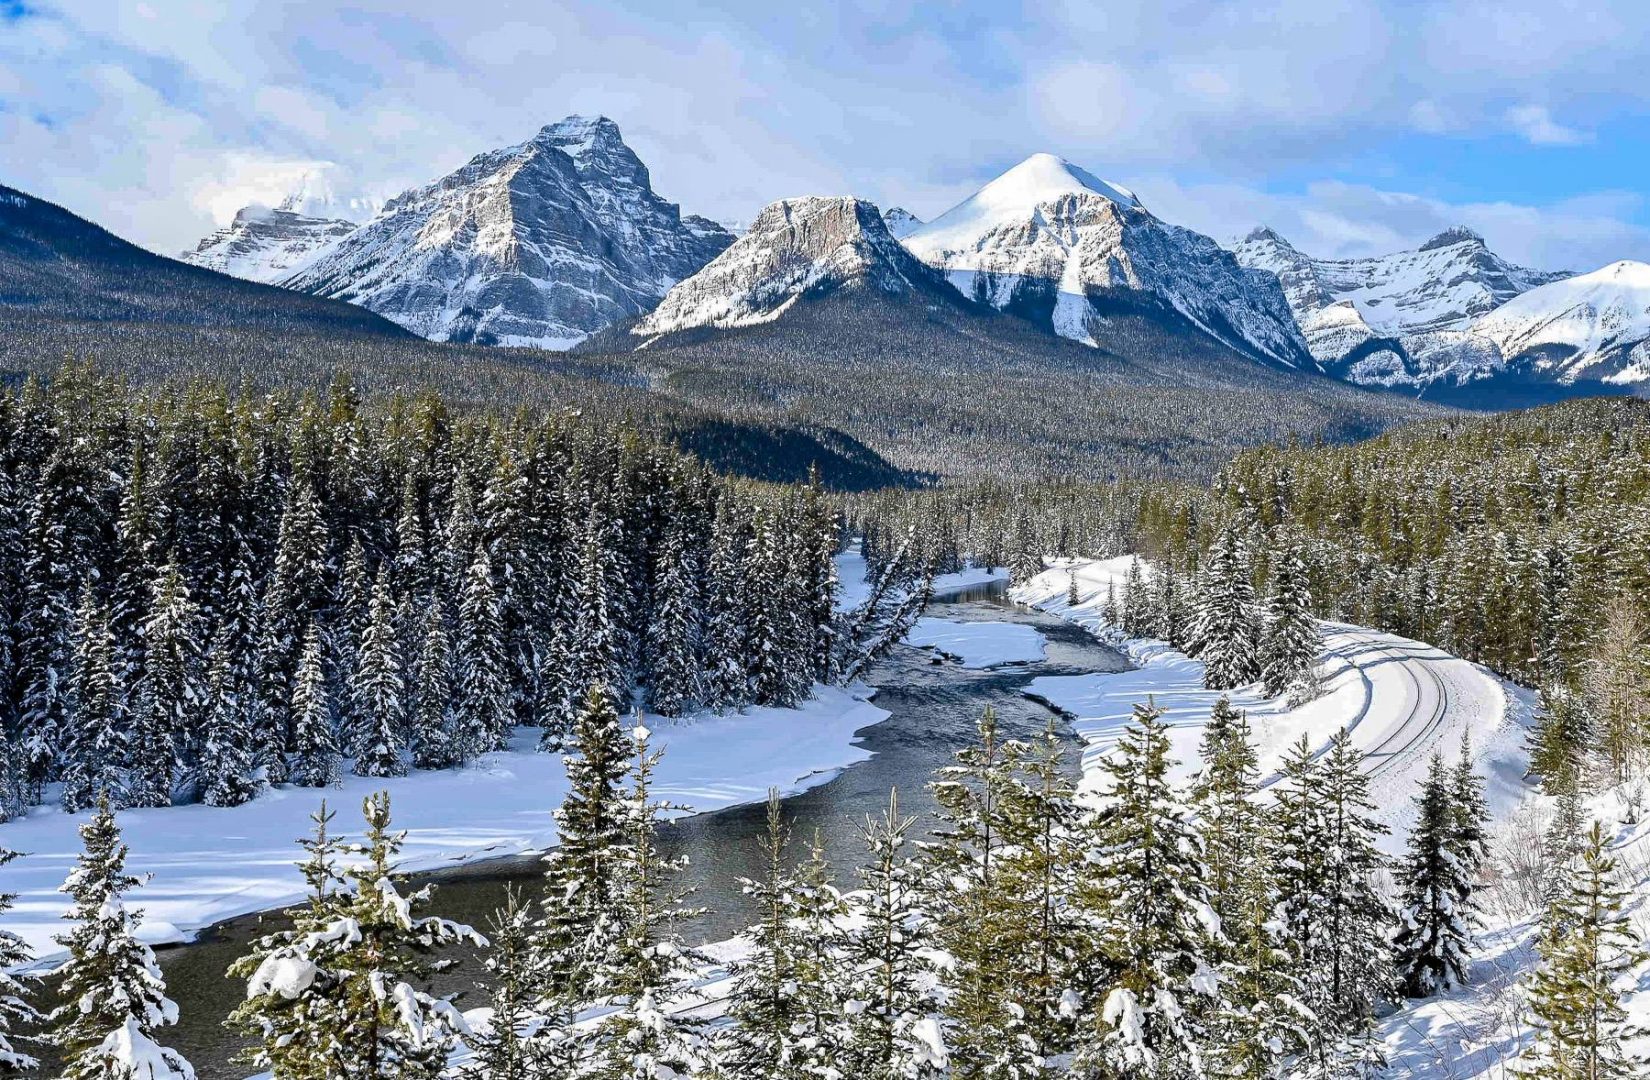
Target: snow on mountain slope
{"points": [[268, 245], [1401, 700], [538, 244], [1595, 326], [795, 246], [1369, 319], [901, 222], [1054, 242]]}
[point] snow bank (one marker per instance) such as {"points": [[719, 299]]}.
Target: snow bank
{"points": [[211, 863], [1401, 699], [978, 644]]}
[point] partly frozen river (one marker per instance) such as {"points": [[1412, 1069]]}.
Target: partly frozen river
{"points": [[933, 707]]}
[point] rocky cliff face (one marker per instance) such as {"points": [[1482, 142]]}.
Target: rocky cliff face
{"points": [[538, 244], [795, 247], [1057, 244]]}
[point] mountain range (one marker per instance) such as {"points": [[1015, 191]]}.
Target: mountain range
{"points": [[562, 237]]}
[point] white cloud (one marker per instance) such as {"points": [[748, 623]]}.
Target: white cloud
{"points": [[1535, 125]]}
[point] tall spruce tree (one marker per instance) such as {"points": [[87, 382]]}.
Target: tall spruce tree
{"points": [[892, 1031], [1434, 935], [1290, 647], [15, 1009], [434, 742], [96, 749], [1587, 946], [1227, 631], [482, 715], [315, 756], [1148, 909], [766, 1002], [228, 769], [114, 997], [582, 871], [171, 693], [380, 692]]}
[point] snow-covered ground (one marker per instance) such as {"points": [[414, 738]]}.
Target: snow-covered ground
{"points": [[978, 644], [1401, 699], [211, 863]]}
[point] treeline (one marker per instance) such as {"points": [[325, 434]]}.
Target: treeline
{"points": [[1173, 932], [203, 592]]}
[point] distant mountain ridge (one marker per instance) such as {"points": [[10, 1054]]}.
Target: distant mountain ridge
{"points": [[1372, 320]]}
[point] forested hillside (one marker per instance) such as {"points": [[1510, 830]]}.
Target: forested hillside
{"points": [[204, 592]]}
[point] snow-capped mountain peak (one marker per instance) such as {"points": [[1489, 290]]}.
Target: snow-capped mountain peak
{"points": [[901, 222], [1371, 320], [538, 244], [1056, 243], [1595, 326], [795, 247]]}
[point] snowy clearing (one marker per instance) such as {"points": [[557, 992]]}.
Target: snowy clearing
{"points": [[211, 863], [978, 644], [1401, 699]]}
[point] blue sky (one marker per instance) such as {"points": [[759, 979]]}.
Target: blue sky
{"points": [[1352, 127]]}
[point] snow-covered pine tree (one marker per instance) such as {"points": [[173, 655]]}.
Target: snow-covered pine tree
{"points": [[1151, 918], [517, 1042], [1111, 613], [1230, 826], [673, 631], [1291, 643], [341, 646], [1587, 946], [975, 917], [725, 683], [315, 754], [1434, 934], [171, 694], [1136, 602], [228, 772], [643, 964], [1338, 923], [765, 1003], [482, 699], [294, 1002], [767, 659], [15, 1009], [1025, 560], [113, 994], [380, 692], [433, 740], [390, 1029], [94, 757], [582, 873], [818, 909], [1471, 813], [1561, 739], [892, 1030], [1227, 626], [44, 652], [1073, 597], [1040, 861], [132, 587]]}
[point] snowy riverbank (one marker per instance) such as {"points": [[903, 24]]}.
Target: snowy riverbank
{"points": [[1401, 699]]}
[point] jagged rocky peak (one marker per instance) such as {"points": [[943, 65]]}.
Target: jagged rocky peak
{"points": [[1455, 234], [1054, 242], [795, 247], [1371, 320], [538, 244], [269, 243]]}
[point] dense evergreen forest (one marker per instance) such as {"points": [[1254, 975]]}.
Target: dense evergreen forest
{"points": [[203, 592]]}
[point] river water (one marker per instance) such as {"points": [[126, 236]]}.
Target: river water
{"points": [[933, 707]]}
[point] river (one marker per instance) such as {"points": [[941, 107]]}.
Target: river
{"points": [[933, 709]]}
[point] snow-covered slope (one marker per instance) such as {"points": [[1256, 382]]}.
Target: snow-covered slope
{"points": [[1055, 243], [538, 244], [268, 245], [1595, 326], [1373, 320], [811, 245]]}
